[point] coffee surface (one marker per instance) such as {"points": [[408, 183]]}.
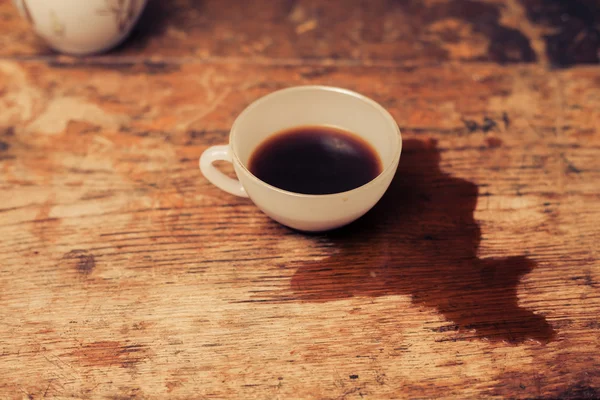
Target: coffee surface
{"points": [[315, 160]]}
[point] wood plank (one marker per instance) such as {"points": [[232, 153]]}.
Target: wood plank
{"points": [[406, 32], [123, 273]]}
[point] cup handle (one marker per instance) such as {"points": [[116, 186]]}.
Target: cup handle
{"points": [[216, 177]]}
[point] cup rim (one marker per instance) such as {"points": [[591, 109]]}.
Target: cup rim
{"points": [[349, 92]]}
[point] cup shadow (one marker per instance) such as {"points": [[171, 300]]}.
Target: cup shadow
{"points": [[421, 240], [153, 22]]}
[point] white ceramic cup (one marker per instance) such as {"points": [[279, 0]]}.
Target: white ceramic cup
{"points": [[82, 27], [307, 106]]}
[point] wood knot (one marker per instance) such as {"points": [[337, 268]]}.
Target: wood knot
{"points": [[81, 260]]}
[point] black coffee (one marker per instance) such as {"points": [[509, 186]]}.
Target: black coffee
{"points": [[315, 160]]}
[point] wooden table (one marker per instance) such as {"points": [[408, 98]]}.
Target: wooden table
{"points": [[124, 274]]}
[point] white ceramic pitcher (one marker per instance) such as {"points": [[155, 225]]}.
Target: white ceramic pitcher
{"points": [[82, 27]]}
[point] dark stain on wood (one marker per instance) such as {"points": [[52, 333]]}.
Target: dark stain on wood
{"points": [[493, 142], [573, 29], [506, 45], [384, 254], [4, 146], [8, 131], [578, 391], [153, 22], [506, 120], [488, 124], [472, 126], [81, 260], [593, 325]]}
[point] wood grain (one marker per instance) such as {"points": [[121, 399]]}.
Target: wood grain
{"points": [[378, 31], [124, 274]]}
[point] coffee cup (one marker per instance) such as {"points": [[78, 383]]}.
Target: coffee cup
{"points": [[306, 106]]}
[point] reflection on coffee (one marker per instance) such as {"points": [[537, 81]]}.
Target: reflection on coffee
{"points": [[315, 160]]}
